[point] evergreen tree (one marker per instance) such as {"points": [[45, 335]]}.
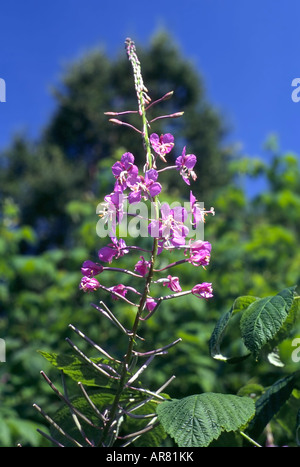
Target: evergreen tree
{"points": [[96, 84], [64, 164]]}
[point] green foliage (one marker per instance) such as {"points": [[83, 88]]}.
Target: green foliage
{"points": [[270, 403], [199, 419], [41, 181], [195, 421], [83, 416], [262, 319], [94, 84], [49, 193], [80, 370], [69, 435]]}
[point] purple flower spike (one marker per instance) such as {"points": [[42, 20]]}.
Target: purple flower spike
{"points": [[91, 269], [162, 145], [185, 164], [203, 290], [88, 284]]}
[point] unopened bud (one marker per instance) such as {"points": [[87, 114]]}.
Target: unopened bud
{"points": [[168, 95], [116, 121], [176, 115]]}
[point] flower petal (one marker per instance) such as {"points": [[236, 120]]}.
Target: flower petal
{"points": [[155, 189]]}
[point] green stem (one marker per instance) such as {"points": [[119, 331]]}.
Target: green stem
{"points": [[145, 135], [250, 439]]}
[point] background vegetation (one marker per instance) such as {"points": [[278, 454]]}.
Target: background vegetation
{"points": [[49, 190]]}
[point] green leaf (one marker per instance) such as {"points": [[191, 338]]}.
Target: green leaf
{"points": [[263, 318], [153, 437], [216, 339], [64, 420], [242, 303], [298, 428], [79, 370], [288, 324], [103, 399], [270, 403], [23, 430], [5, 433], [195, 421]]}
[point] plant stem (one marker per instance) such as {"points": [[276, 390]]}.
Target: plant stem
{"points": [[142, 98], [250, 439]]}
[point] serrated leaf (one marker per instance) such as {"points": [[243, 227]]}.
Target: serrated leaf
{"points": [[241, 303], [270, 403], [78, 369], [263, 318], [64, 420], [217, 336], [103, 399], [288, 324], [227, 440], [152, 438], [197, 420], [252, 390]]}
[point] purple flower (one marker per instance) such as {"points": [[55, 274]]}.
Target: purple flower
{"points": [[171, 226], [124, 171], [106, 254], [142, 266], [173, 283], [116, 249], [185, 164], [150, 304], [120, 289], [112, 210], [91, 269], [162, 145], [144, 186], [199, 253], [88, 284], [197, 213], [203, 290]]}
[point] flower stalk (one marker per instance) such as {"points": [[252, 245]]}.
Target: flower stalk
{"points": [[166, 227], [168, 231], [142, 99]]}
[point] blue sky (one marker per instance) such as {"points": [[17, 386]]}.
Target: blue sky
{"points": [[247, 51]]}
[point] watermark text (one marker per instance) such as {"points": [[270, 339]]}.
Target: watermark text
{"points": [[2, 351], [2, 90]]}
